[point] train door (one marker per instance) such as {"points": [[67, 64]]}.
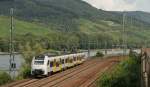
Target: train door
{"points": [[74, 60], [66, 62], [54, 66], [63, 63], [77, 59], [83, 57], [51, 66], [57, 65], [71, 60], [60, 64], [48, 67]]}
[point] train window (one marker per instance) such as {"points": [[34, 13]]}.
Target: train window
{"points": [[38, 62], [62, 61], [51, 64], [57, 64], [66, 61], [74, 58]]}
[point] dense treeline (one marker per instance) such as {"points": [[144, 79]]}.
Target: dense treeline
{"points": [[69, 41]]}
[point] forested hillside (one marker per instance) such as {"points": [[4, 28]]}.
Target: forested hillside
{"points": [[75, 21]]}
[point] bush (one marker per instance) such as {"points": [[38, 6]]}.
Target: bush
{"points": [[99, 54], [125, 74], [25, 72], [4, 78]]}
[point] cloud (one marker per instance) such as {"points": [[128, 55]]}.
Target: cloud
{"points": [[121, 5], [143, 5]]}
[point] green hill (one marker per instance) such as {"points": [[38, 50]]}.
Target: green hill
{"points": [[21, 27], [74, 21], [60, 14], [143, 16]]}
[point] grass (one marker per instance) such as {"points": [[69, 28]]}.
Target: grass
{"points": [[134, 35], [21, 27]]}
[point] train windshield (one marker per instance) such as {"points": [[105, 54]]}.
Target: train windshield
{"points": [[39, 62], [40, 57]]}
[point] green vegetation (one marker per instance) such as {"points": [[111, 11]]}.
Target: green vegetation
{"points": [[25, 72], [4, 78], [69, 23], [126, 74], [21, 27], [28, 52]]}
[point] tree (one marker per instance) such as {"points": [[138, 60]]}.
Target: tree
{"points": [[28, 52]]}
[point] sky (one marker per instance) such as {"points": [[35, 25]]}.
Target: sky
{"points": [[121, 5]]}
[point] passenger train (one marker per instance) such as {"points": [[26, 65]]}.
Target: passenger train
{"points": [[45, 65]]}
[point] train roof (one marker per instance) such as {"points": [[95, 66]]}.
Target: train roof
{"points": [[50, 55]]}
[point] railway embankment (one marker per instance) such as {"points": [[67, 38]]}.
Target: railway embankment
{"points": [[125, 74]]}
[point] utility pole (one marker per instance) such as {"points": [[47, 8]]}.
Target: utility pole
{"points": [[131, 26], [123, 35], [11, 45]]}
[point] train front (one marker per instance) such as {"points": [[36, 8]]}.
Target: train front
{"points": [[38, 65]]}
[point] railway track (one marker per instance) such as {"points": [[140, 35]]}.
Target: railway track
{"points": [[57, 76], [89, 82], [67, 77], [88, 70], [26, 82], [92, 82], [79, 79]]}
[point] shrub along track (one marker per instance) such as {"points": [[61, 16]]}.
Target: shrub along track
{"points": [[79, 76]]}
